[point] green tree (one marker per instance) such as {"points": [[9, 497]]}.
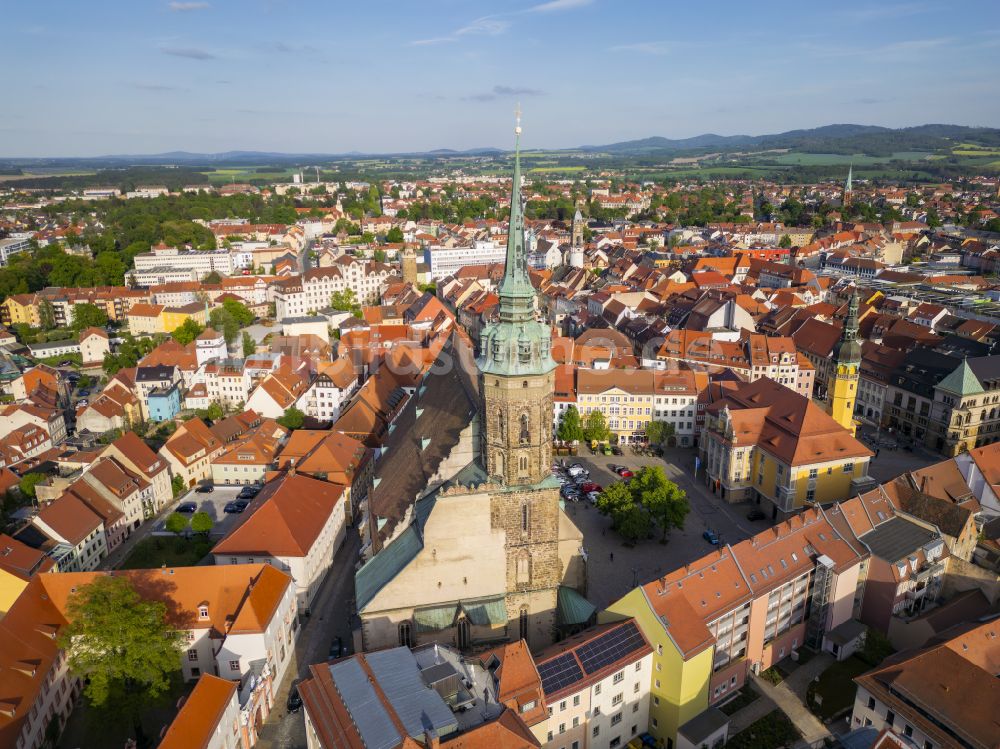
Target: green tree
{"points": [[785, 242], [666, 502], [657, 432], [176, 523], [615, 499], [876, 648], [570, 428], [229, 318], [933, 218], [177, 485], [121, 646], [28, 483], [378, 256], [212, 277], [201, 522], [394, 235], [633, 524], [345, 301], [187, 332], [596, 427], [88, 316], [249, 345], [46, 315], [292, 419]]}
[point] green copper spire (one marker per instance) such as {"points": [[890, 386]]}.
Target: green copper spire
{"points": [[517, 344], [516, 292], [850, 176], [847, 349]]}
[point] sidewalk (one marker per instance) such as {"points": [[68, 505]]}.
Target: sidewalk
{"points": [[790, 697]]}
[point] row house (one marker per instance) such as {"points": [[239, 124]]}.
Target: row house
{"points": [[739, 609], [630, 399], [596, 686], [153, 379], [248, 459], [296, 524], [115, 407], [303, 295], [752, 357], [276, 393], [189, 451], [119, 497], [134, 455], [69, 532], [49, 420], [328, 391]]}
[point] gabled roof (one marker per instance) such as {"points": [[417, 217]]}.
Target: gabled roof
{"points": [[284, 519], [198, 719]]}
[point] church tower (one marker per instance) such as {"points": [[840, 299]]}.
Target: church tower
{"points": [[846, 366], [848, 187], [408, 263], [576, 246], [516, 382]]}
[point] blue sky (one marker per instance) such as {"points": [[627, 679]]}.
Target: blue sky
{"points": [[143, 76]]}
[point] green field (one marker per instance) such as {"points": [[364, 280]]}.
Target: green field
{"points": [[825, 159], [562, 169]]}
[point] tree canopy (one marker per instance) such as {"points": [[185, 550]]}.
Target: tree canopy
{"points": [[88, 316], [201, 522], [647, 498], [229, 318], [187, 332], [596, 427], [570, 428], [177, 523], [121, 645], [293, 418]]}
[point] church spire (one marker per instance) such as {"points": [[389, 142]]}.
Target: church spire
{"points": [[515, 291], [850, 178], [847, 348]]}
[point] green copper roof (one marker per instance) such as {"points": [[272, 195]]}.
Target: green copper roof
{"points": [[962, 381], [850, 176], [572, 608], [517, 344], [848, 350]]}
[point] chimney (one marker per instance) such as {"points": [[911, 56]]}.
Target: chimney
{"points": [[431, 740], [923, 484]]}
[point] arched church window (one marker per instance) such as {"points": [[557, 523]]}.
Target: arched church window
{"points": [[406, 634], [464, 634], [523, 465], [497, 350], [524, 436]]}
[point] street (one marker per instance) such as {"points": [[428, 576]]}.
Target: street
{"points": [[331, 612]]}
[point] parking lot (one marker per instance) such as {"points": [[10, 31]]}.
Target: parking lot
{"points": [[213, 504], [614, 568]]}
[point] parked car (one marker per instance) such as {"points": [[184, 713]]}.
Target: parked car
{"points": [[756, 515], [294, 703], [616, 450], [711, 536], [236, 506], [592, 497], [616, 468], [83, 402], [248, 492], [625, 473], [338, 648], [590, 486], [186, 507], [205, 489]]}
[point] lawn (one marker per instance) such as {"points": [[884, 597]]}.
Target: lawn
{"points": [[771, 731], [835, 687], [772, 675], [172, 551], [746, 697]]}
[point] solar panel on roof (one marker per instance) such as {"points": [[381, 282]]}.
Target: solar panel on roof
{"points": [[559, 673], [610, 647]]}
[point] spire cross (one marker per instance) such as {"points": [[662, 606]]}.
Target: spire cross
{"points": [[517, 119]]}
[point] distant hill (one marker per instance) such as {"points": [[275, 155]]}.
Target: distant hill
{"points": [[842, 138]]}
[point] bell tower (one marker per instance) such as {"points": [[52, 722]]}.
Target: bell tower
{"points": [[846, 368], [516, 367]]}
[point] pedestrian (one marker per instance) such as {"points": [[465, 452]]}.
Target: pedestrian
{"points": [[612, 556]]}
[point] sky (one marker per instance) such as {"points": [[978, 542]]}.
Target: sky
{"points": [[97, 77]]}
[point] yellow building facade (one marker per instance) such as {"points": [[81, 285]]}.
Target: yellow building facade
{"points": [[843, 383], [680, 686]]}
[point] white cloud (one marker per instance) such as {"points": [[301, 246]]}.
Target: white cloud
{"points": [[557, 5], [486, 26], [180, 7]]}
